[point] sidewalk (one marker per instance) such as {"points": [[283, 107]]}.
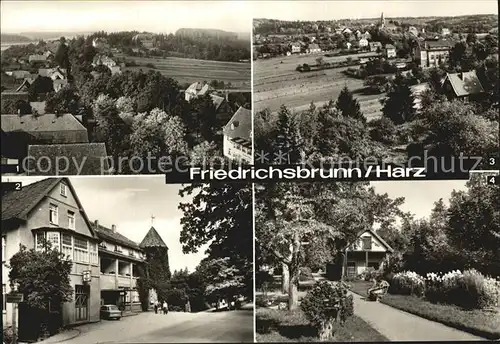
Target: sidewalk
{"points": [[397, 325]]}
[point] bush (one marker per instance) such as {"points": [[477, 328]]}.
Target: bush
{"points": [[263, 279], [392, 264], [8, 335], [383, 130], [305, 274], [327, 306], [407, 283], [370, 274]]}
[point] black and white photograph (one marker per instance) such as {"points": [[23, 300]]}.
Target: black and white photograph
{"points": [[124, 87], [378, 261], [126, 260], [389, 80]]}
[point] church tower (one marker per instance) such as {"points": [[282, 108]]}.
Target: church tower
{"points": [[382, 21]]}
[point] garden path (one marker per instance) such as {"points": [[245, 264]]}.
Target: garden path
{"points": [[397, 325]]}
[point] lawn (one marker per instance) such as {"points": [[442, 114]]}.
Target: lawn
{"points": [[478, 322], [292, 326]]}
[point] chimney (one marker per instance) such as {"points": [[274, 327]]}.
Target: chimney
{"points": [[461, 76], [113, 228], [227, 96], [96, 223]]}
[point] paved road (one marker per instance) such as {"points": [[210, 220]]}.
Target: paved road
{"points": [[397, 325], [205, 327]]}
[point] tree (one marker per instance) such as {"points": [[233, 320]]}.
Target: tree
{"points": [[43, 276], [204, 154], [62, 102], [348, 106], [287, 134], [40, 86], [400, 102], [12, 106], [62, 54]]}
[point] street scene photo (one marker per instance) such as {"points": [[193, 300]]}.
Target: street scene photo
{"points": [[389, 80], [90, 94], [378, 261], [126, 260]]}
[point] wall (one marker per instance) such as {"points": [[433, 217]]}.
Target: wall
{"points": [[233, 152], [377, 246]]}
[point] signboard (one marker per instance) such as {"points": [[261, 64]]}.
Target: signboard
{"points": [[86, 276], [14, 298]]}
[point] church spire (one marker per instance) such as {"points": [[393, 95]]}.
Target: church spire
{"points": [[382, 20]]}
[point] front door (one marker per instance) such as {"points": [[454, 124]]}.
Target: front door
{"points": [[351, 269], [82, 295]]}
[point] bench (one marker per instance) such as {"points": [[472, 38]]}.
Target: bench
{"points": [[377, 292]]}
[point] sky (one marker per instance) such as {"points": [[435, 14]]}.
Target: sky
{"points": [[331, 10], [129, 203], [151, 16]]}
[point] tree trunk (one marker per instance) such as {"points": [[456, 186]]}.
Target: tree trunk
{"points": [[326, 332], [284, 278], [293, 292]]}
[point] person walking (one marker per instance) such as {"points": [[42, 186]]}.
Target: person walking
{"points": [[165, 307], [155, 305]]}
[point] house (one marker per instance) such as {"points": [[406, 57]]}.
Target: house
{"points": [[363, 43], [413, 31], [197, 89], [221, 104], [100, 43], [56, 74], [357, 34], [59, 84], [314, 48], [145, 40], [390, 51], [237, 142], [464, 85], [296, 47], [368, 251], [432, 53], [50, 209], [115, 70], [445, 32], [37, 58], [46, 159], [103, 60], [19, 74], [46, 129], [366, 35], [346, 31], [15, 95], [48, 54], [119, 261], [348, 45], [375, 46]]}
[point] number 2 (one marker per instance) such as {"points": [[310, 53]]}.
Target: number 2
{"points": [[17, 186]]}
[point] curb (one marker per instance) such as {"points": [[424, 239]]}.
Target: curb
{"points": [[78, 333]]}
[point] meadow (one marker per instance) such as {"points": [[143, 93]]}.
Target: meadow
{"points": [[186, 70], [277, 82]]}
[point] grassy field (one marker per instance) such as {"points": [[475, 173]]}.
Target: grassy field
{"points": [[478, 322], [276, 82], [190, 70], [292, 326]]}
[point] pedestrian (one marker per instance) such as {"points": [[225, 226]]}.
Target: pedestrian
{"points": [[155, 305], [165, 307]]}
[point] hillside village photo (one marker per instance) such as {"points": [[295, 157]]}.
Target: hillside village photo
{"points": [[390, 87], [139, 255], [105, 100]]}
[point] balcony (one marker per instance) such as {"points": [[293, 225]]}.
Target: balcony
{"points": [[109, 281]]}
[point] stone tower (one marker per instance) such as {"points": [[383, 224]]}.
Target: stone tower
{"points": [[382, 21]]}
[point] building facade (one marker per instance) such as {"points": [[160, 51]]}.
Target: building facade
{"points": [[50, 209], [237, 142], [432, 53]]}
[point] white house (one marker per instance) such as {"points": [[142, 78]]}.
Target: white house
{"points": [[314, 48], [363, 43], [237, 144], [295, 48], [390, 51], [197, 89]]}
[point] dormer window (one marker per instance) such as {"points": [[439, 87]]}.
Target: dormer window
{"points": [[234, 125]]}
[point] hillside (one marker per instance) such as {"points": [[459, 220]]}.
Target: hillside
{"points": [[200, 33], [8, 38]]}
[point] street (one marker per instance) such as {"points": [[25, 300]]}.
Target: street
{"points": [[175, 327]]}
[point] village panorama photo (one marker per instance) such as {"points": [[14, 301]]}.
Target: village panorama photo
{"points": [[124, 87], [385, 80], [146, 263]]}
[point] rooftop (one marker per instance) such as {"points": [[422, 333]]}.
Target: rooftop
{"points": [[240, 125], [152, 239], [110, 235], [465, 83], [47, 122]]}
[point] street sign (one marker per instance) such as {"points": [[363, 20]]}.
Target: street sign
{"points": [[86, 276], [14, 298]]}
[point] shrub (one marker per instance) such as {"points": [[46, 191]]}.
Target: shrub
{"points": [[263, 279], [8, 335], [407, 283], [370, 274], [305, 274], [327, 306], [383, 130]]}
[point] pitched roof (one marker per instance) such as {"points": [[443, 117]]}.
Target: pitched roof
{"points": [[240, 125], [441, 43], [18, 204], [25, 83], [217, 101], [390, 46], [373, 233], [88, 157], [205, 89], [465, 83], [47, 122], [194, 87], [108, 234], [313, 46], [376, 44], [152, 239]]}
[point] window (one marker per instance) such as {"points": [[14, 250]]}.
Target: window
{"points": [[53, 217], [53, 239], [367, 243], [4, 248], [4, 302], [63, 190], [67, 245], [118, 248], [80, 250], [71, 219], [94, 258]]}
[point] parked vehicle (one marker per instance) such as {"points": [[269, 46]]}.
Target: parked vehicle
{"points": [[111, 312]]}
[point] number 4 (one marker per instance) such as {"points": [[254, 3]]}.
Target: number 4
{"points": [[493, 180]]}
